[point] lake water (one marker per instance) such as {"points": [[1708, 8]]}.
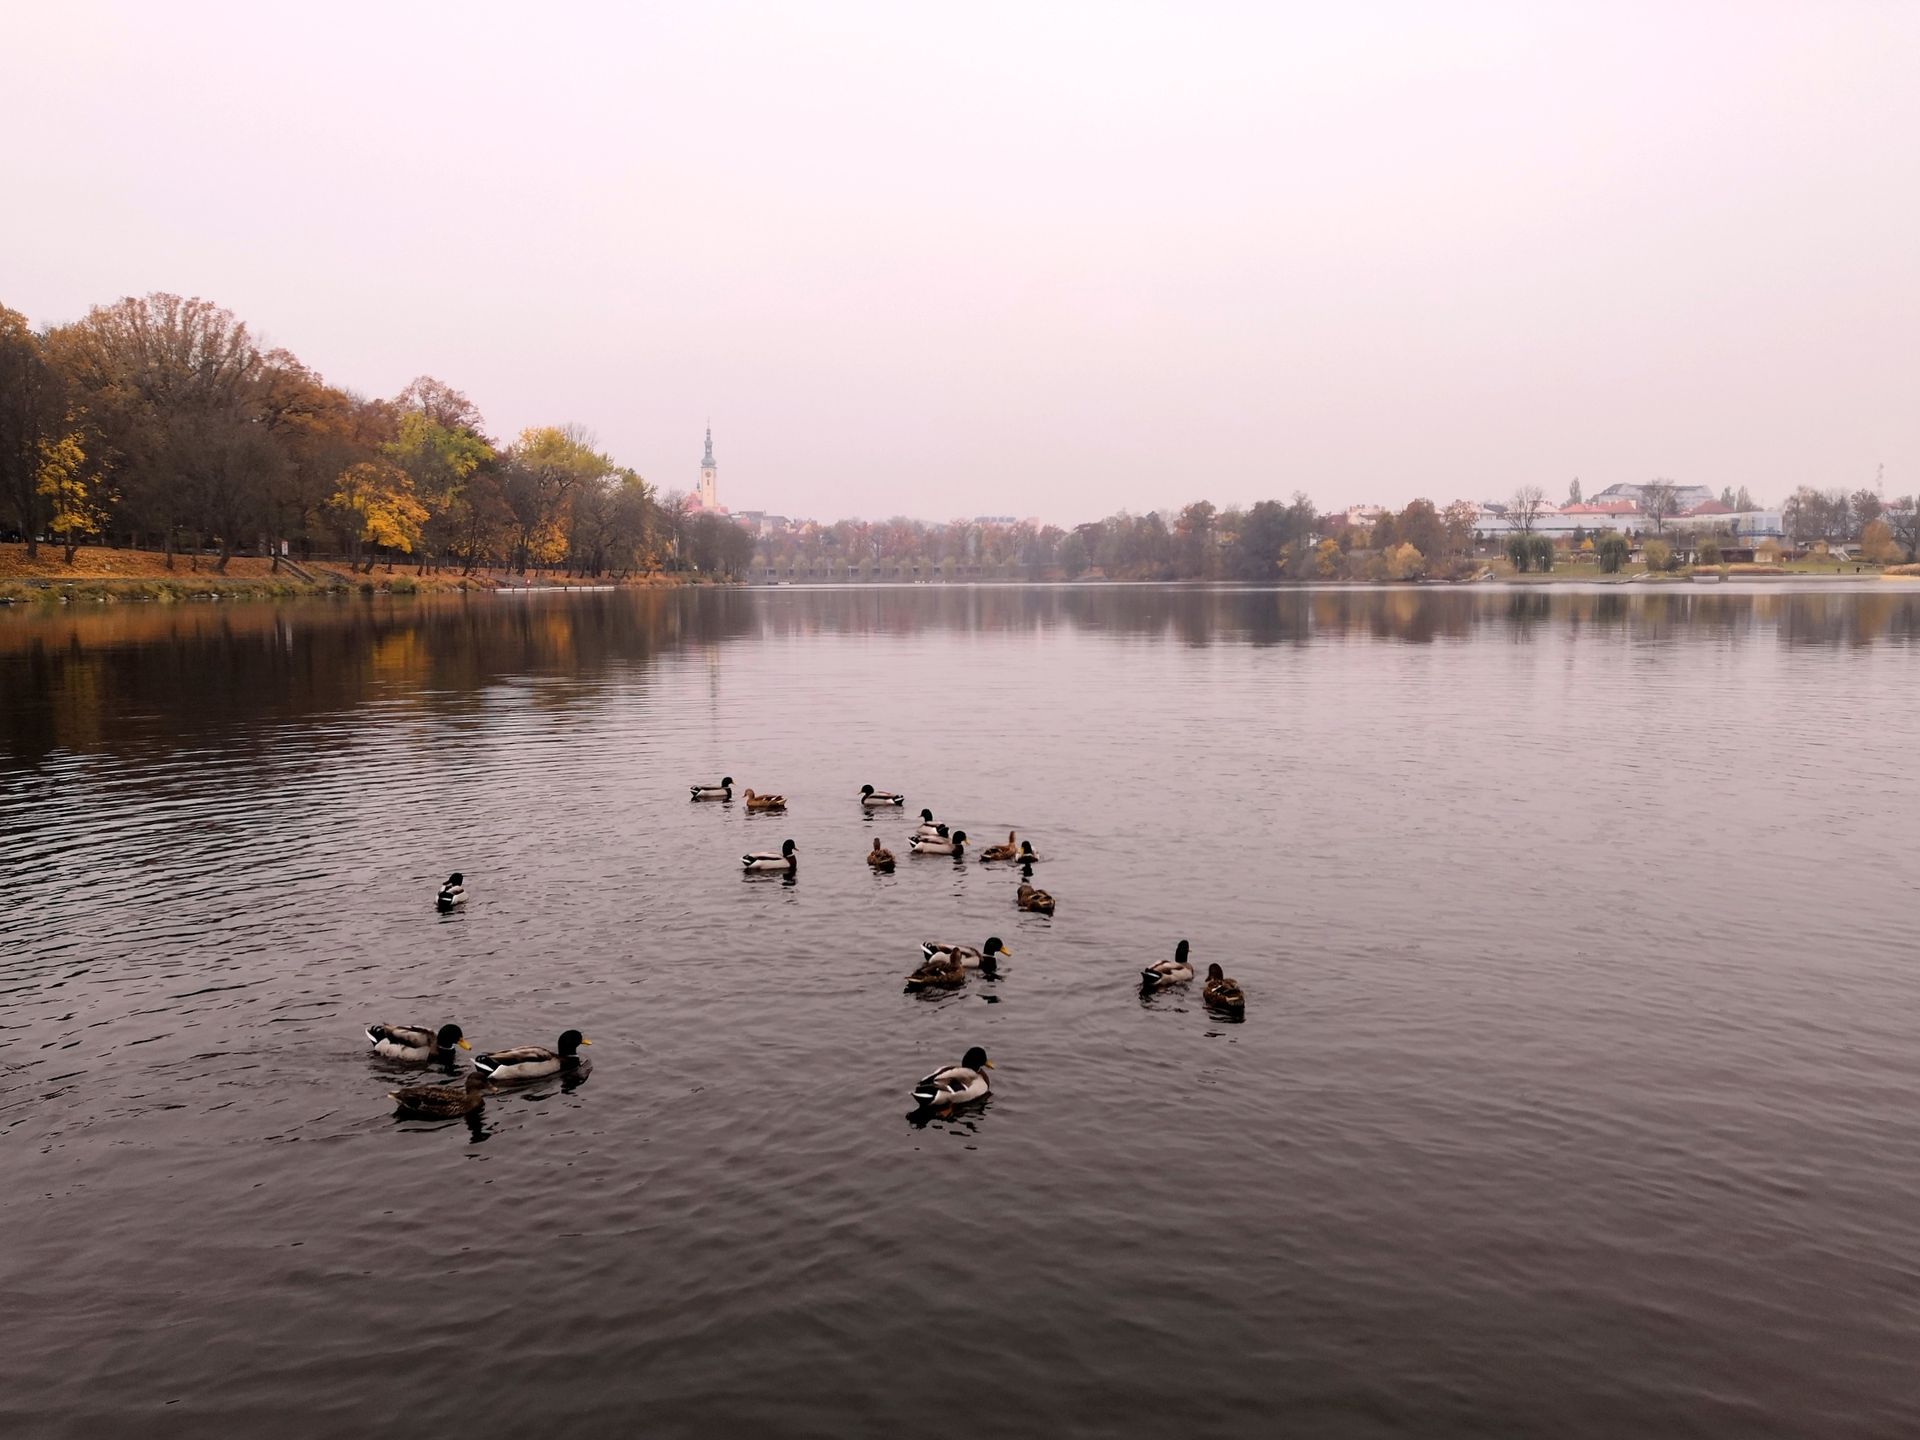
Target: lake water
{"points": [[1576, 1093]]}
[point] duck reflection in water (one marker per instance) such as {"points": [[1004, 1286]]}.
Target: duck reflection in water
{"points": [[570, 1079], [960, 1119]]}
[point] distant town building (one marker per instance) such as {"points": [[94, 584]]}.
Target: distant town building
{"points": [[1356, 517], [1686, 497]]}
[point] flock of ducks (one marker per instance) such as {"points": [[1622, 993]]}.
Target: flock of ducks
{"points": [[517, 1065], [946, 966]]}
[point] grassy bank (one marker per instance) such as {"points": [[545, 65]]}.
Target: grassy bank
{"points": [[100, 576]]}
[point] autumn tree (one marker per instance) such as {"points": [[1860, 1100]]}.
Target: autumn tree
{"points": [[1196, 551], [33, 414], [1073, 559], [443, 406], [1421, 527], [318, 430], [375, 506], [1460, 518], [1405, 562], [440, 459], [544, 468], [74, 491], [173, 389]]}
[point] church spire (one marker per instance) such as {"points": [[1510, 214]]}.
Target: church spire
{"points": [[709, 477]]}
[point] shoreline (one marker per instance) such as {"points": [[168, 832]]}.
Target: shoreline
{"points": [[143, 580]]}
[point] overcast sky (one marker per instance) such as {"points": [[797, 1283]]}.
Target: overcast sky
{"points": [[1029, 259]]}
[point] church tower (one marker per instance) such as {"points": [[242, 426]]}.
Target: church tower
{"points": [[709, 493]]}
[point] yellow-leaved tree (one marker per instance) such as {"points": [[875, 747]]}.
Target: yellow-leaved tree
{"points": [[76, 504], [1404, 562], [375, 507]]}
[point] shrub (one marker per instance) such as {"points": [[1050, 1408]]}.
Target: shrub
{"points": [[1542, 549], [402, 585], [1707, 552], [1876, 543], [1768, 551], [1519, 552], [1613, 551], [1659, 555], [1405, 563]]}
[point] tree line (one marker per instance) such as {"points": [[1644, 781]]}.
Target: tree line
{"points": [[1269, 540], [161, 422]]}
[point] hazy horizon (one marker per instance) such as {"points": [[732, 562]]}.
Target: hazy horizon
{"points": [[1031, 263]]}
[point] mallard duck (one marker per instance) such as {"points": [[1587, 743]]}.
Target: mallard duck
{"points": [[1026, 855], [983, 959], [956, 1084], [1001, 852], [880, 858], [766, 802], [1167, 972], [927, 826], [416, 1043], [1221, 991], [531, 1062], [942, 972], [453, 893], [442, 1102], [722, 791], [786, 860], [954, 844], [1028, 898], [873, 799]]}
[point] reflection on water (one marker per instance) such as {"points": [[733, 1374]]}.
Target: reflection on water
{"points": [[1573, 1096], [88, 679]]}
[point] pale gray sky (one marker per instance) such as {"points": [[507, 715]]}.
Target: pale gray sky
{"points": [[1023, 258]]}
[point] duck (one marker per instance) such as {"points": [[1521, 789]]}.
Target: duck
{"points": [[453, 893], [1176, 971], [1028, 898], [765, 802], [954, 845], [1001, 852], [1221, 992], [722, 791], [880, 858], [984, 959], [928, 827], [1026, 855], [441, 1102], [786, 860], [415, 1043], [941, 972], [531, 1062], [956, 1084], [873, 799]]}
